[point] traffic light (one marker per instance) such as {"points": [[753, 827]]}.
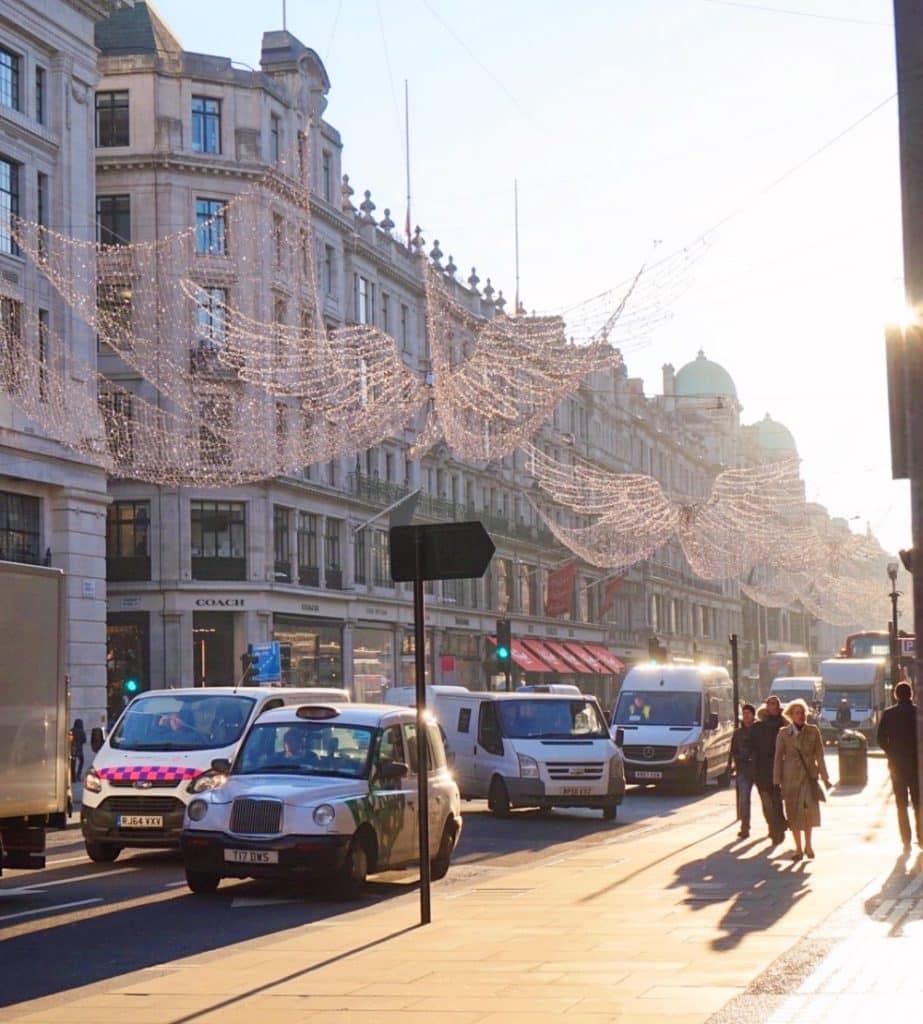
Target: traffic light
{"points": [[130, 687], [504, 652], [656, 652]]}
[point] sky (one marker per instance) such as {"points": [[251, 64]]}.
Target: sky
{"points": [[636, 126]]}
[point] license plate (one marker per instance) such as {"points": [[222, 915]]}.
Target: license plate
{"points": [[139, 821], [252, 856], [648, 775], [575, 791]]}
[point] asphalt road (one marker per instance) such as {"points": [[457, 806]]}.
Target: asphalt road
{"points": [[77, 923]]}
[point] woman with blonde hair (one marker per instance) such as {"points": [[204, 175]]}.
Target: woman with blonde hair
{"points": [[799, 762]]}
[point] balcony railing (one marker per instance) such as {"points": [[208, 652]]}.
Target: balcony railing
{"points": [[308, 576]]}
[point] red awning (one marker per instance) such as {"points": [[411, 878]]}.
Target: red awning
{"points": [[551, 658], [523, 657], [568, 656], [612, 663], [593, 664]]}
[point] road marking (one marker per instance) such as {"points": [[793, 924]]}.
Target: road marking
{"points": [[175, 885], [40, 887], [48, 910], [256, 901]]}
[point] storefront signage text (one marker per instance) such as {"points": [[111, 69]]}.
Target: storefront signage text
{"points": [[305, 607], [380, 612], [219, 602]]}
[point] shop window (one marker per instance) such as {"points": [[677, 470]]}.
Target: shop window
{"points": [[373, 662], [333, 570], [308, 571], [213, 661], [127, 659], [313, 652], [20, 528], [128, 555], [281, 540], [218, 540]]}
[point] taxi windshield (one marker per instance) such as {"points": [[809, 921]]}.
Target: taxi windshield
{"points": [[306, 748], [185, 721]]}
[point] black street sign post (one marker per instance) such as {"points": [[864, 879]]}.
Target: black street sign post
{"points": [[441, 551]]}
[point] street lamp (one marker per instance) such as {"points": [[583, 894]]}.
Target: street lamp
{"points": [[892, 626]]}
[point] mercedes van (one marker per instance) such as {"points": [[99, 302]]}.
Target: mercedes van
{"points": [[674, 724]]}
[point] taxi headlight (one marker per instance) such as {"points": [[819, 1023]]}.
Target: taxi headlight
{"points": [[528, 767], [197, 810], [206, 782], [324, 815], [92, 783]]}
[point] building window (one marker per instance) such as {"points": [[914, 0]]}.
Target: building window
{"points": [[210, 317], [118, 416], [405, 326], [12, 351], [214, 428], [328, 269], [40, 91], [206, 125], [210, 232], [111, 119], [41, 201], [219, 539], [278, 240], [281, 541], [114, 314], [360, 568], [43, 330], [327, 174], [363, 300], [386, 312], [128, 555], [274, 138], [381, 559], [10, 64], [113, 220], [308, 572], [9, 205], [333, 570], [20, 529]]}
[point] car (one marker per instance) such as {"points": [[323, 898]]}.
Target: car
{"points": [[321, 791]]}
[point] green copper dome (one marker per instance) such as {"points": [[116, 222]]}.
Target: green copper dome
{"points": [[775, 438], [702, 378]]}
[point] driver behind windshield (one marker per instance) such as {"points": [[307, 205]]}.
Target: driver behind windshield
{"points": [[179, 725]]}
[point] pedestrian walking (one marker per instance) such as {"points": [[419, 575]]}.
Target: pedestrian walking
{"points": [[769, 721], [799, 763], [897, 737], [741, 759], [78, 742]]}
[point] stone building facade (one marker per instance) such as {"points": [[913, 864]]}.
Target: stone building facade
{"points": [[52, 502]]}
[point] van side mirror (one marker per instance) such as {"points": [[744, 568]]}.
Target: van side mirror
{"points": [[96, 739], [620, 737], [392, 771], [221, 764], [712, 722]]}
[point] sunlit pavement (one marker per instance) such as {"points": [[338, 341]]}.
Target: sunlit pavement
{"points": [[668, 919]]}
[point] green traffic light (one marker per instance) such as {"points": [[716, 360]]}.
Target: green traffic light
{"points": [[130, 686], [502, 653]]}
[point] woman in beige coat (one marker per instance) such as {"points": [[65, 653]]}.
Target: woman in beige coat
{"points": [[799, 760]]}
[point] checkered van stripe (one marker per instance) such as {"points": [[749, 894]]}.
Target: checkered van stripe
{"points": [[148, 773]]}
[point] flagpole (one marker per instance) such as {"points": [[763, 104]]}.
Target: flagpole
{"points": [[516, 234], [407, 156]]}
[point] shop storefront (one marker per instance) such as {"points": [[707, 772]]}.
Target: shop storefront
{"points": [[373, 662], [127, 658], [408, 658], [312, 650], [213, 649], [460, 660]]}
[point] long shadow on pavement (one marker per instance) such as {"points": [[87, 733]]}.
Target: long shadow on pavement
{"points": [[758, 891], [892, 901]]}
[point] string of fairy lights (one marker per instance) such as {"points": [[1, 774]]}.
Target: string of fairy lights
{"points": [[194, 387]]}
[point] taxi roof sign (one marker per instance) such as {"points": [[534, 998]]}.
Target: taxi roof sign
{"points": [[317, 712]]}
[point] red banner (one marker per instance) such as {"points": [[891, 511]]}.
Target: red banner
{"points": [[559, 596], [611, 588]]}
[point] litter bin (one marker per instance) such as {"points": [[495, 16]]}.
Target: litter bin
{"points": [[853, 755]]}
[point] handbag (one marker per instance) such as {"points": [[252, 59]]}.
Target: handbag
{"points": [[817, 790]]}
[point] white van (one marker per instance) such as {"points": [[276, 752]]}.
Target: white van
{"points": [[136, 792], [674, 723], [531, 750], [810, 689], [406, 696], [855, 692]]}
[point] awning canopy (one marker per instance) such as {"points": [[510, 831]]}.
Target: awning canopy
{"points": [[612, 663], [524, 658], [544, 652], [569, 657], [593, 664]]}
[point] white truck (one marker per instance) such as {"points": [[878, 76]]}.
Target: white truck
{"points": [[34, 752], [856, 691]]}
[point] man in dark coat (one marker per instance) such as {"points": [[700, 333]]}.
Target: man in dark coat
{"points": [[897, 737], [763, 742], [742, 762]]}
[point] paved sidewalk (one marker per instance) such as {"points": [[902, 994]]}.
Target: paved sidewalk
{"points": [[671, 921]]}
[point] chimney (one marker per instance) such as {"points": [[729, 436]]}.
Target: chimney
{"points": [[669, 379]]}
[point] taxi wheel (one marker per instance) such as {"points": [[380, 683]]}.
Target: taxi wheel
{"points": [[350, 879], [439, 865], [498, 800], [202, 883], [102, 853]]}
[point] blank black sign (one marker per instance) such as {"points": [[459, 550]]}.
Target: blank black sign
{"points": [[451, 551]]}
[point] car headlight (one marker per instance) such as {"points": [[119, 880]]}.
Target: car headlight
{"points": [[197, 810], [528, 767], [687, 752], [206, 782], [92, 783], [324, 815]]}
